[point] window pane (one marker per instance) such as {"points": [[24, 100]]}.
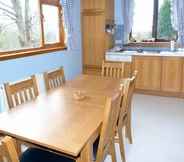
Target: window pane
{"points": [[19, 25], [51, 24], [165, 29], [143, 19]]}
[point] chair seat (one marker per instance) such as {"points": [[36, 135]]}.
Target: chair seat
{"points": [[38, 155]]}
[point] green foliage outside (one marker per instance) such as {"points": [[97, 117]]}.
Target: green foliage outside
{"points": [[165, 29]]}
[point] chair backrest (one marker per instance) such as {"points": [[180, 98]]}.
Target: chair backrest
{"points": [[124, 100], [132, 88], [127, 94], [107, 134], [21, 92], [9, 149], [54, 79], [113, 69]]}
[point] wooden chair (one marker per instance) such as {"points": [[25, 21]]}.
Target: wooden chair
{"points": [[8, 150], [21, 92], [105, 145], [124, 120], [113, 69], [129, 106], [107, 135], [1, 153], [54, 79]]}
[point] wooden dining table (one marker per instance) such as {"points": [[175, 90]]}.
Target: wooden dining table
{"points": [[56, 121]]}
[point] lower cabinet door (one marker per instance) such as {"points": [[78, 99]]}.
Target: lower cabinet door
{"points": [[149, 72], [172, 68]]}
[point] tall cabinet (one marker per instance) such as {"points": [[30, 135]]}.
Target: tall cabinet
{"points": [[95, 14]]}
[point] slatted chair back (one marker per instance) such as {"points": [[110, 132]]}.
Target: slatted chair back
{"points": [[127, 92], [9, 149], [106, 142], [54, 79], [124, 101], [113, 69], [125, 113], [21, 92], [132, 88]]}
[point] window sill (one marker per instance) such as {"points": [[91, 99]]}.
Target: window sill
{"points": [[30, 52], [149, 44]]}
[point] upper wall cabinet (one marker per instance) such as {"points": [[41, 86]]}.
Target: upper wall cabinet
{"points": [[95, 15], [110, 10], [93, 4], [109, 38], [93, 39], [183, 77], [171, 74], [149, 75]]}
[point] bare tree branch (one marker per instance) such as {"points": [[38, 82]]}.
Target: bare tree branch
{"points": [[9, 16], [14, 10], [3, 27], [17, 8], [8, 11], [5, 5]]}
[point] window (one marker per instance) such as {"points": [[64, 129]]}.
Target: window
{"points": [[152, 21], [51, 24], [30, 25]]}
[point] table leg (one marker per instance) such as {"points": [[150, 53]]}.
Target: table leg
{"points": [[87, 153]]}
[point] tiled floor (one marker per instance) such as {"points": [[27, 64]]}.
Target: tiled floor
{"points": [[158, 124]]}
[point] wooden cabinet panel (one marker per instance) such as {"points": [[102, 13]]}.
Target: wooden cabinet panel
{"points": [[171, 74], [110, 10], [91, 4], [183, 76], [95, 15], [93, 39], [149, 72]]}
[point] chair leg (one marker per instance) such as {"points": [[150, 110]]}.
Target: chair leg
{"points": [[1, 158], [18, 147], [128, 124], [121, 144], [129, 129], [113, 152]]}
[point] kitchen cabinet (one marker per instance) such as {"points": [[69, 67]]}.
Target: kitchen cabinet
{"points": [[183, 77], [93, 39], [149, 72], [92, 4], [172, 68], [158, 74]]}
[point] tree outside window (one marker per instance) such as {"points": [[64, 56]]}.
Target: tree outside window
{"points": [[30, 24], [155, 15], [165, 29]]}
